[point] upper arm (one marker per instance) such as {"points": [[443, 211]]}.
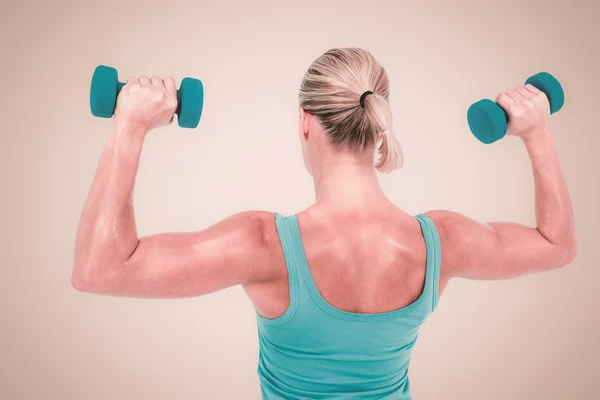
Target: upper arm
{"points": [[496, 250], [236, 250]]}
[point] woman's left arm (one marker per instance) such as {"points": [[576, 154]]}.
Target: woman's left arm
{"points": [[110, 258]]}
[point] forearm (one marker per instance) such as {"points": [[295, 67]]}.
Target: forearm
{"points": [[554, 210], [107, 233]]}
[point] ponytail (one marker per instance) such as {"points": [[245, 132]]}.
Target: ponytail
{"points": [[379, 115]]}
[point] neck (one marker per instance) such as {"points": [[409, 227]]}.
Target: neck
{"points": [[347, 182]]}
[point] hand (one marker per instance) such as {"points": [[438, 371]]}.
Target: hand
{"points": [[528, 110], [147, 103]]}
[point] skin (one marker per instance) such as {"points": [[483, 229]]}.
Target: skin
{"points": [[365, 254]]}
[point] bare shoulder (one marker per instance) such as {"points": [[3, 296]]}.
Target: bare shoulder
{"points": [[257, 226], [445, 220], [258, 231], [459, 238], [247, 239], [456, 228], [447, 224]]}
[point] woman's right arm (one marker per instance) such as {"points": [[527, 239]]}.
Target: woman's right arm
{"points": [[501, 250]]}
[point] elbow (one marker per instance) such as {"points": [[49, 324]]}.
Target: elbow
{"points": [[570, 254], [83, 282], [565, 255], [90, 280], [570, 248], [562, 251]]}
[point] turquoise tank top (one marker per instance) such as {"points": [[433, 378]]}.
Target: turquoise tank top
{"points": [[317, 351]]}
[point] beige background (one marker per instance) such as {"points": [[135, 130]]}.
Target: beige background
{"points": [[532, 338]]}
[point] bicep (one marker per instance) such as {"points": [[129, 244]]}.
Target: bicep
{"points": [[495, 250], [233, 251]]}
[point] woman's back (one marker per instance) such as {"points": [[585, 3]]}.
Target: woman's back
{"points": [[362, 261], [359, 290]]}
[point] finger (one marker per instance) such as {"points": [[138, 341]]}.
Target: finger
{"points": [[505, 101], [524, 92], [132, 80], [532, 89], [170, 85], [513, 94], [157, 83], [145, 81]]}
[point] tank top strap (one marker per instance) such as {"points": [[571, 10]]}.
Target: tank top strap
{"points": [[293, 254], [434, 257], [291, 244]]}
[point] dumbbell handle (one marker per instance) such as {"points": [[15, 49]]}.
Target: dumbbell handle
{"points": [[177, 111]]}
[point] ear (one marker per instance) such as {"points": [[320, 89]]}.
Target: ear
{"points": [[304, 123]]}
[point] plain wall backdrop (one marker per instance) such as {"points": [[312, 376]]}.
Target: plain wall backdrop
{"points": [[530, 338]]}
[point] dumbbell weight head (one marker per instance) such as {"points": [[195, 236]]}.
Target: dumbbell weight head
{"points": [[190, 101], [105, 88], [551, 87], [489, 122]]}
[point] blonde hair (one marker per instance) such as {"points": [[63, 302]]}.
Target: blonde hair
{"points": [[331, 90]]}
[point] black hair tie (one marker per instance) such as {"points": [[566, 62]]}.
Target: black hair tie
{"points": [[362, 98]]}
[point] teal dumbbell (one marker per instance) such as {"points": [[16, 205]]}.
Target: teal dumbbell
{"points": [[488, 121], [106, 87]]}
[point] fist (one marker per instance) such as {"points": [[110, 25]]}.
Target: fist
{"points": [[528, 110], [146, 102]]}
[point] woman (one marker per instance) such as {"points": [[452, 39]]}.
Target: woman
{"points": [[341, 288]]}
